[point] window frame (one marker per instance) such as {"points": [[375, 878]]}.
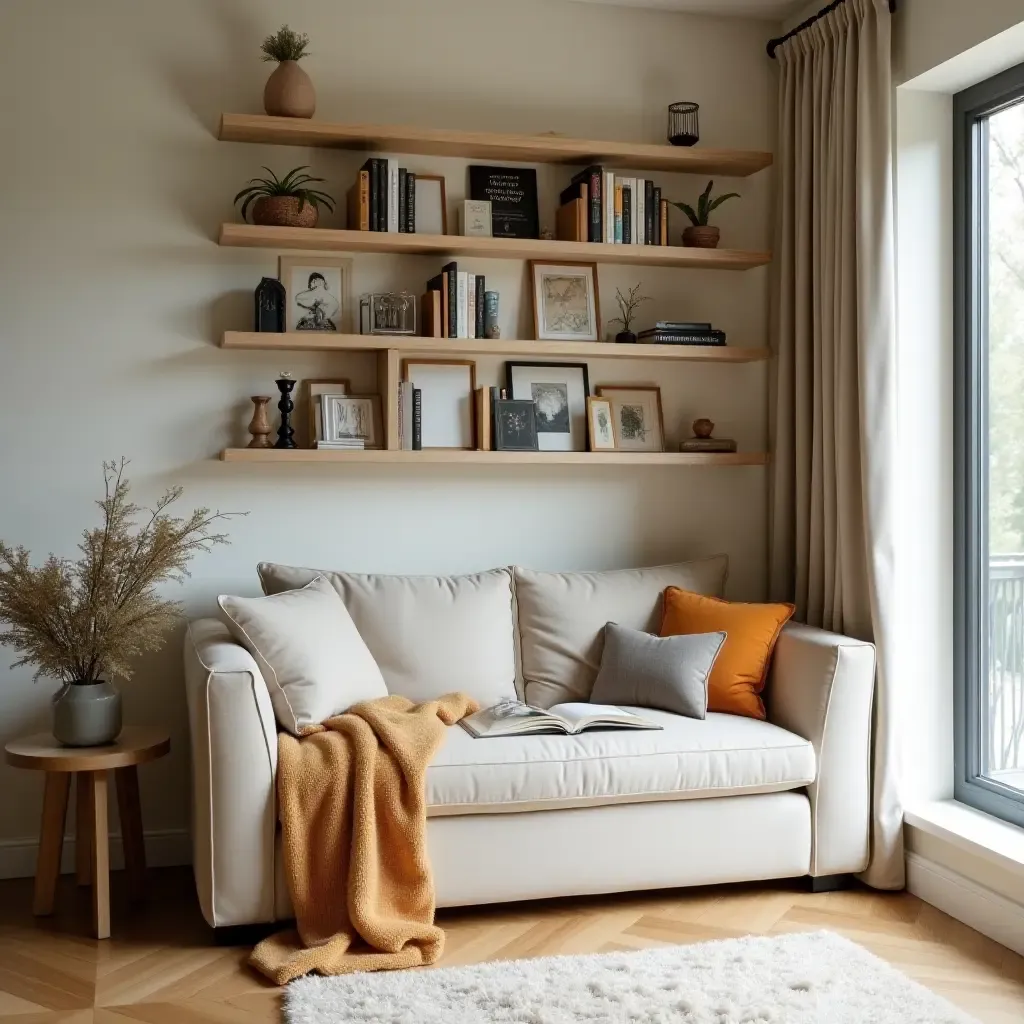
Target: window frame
{"points": [[971, 403]]}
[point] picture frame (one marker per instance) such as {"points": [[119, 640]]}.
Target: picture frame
{"points": [[344, 417], [560, 392], [566, 302], [515, 425], [637, 418], [431, 205], [475, 218], [448, 389], [318, 293], [312, 389], [600, 424]]}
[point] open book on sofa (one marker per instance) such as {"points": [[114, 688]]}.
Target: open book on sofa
{"points": [[514, 718]]}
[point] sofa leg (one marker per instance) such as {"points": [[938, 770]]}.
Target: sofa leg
{"points": [[245, 934], [829, 883]]}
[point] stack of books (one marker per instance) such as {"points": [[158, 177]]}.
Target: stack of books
{"points": [[345, 444], [383, 198], [681, 332], [601, 206], [453, 304], [721, 445]]}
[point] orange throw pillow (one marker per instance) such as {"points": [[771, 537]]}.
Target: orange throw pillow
{"points": [[741, 669]]}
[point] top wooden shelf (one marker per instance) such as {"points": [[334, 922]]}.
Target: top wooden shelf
{"points": [[537, 149]]}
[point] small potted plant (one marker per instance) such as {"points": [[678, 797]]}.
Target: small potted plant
{"points": [[628, 305], [284, 202], [700, 234], [289, 91]]}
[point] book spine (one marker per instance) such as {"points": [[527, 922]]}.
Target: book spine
{"points": [[594, 229], [656, 240], [608, 196], [401, 414], [402, 174], [417, 420], [641, 199], [392, 181], [452, 269], [471, 305], [674, 338], [460, 304], [410, 202], [481, 288], [664, 222], [649, 222], [371, 166], [382, 192], [627, 214], [618, 211]]}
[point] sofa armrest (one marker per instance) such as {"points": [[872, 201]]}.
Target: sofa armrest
{"points": [[234, 761], [821, 688]]}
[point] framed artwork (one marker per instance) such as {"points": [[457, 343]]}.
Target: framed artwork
{"points": [[314, 389], [600, 429], [318, 292], [565, 301], [447, 387], [559, 390], [431, 205], [515, 425], [352, 417], [636, 417]]}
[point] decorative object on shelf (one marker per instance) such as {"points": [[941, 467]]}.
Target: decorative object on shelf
{"points": [[431, 205], [628, 306], [387, 313], [289, 91], [351, 421], [636, 417], [703, 428], [78, 622], [475, 218], [559, 391], [683, 123], [318, 292], [565, 301], [700, 235], [284, 202], [270, 300], [512, 192], [285, 432], [600, 431], [702, 441], [547, 235], [683, 332], [259, 425], [313, 390], [447, 389], [491, 328], [515, 425]]}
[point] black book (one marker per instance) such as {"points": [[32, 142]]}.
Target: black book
{"points": [[657, 216], [512, 193], [682, 325], [572, 193], [481, 284], [371, 171], [383, 193], [453, 298], [410, 202], [627, 216], [417, 420], [656, 337], [648, 228], [402, 198], [594, 176], [435, 284]]}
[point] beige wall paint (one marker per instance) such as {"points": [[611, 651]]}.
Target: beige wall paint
{"points": [[113, 293]]}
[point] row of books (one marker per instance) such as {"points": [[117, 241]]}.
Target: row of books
{"points": [[681, 332], [453, 305], [601, 206], [383, 198]]}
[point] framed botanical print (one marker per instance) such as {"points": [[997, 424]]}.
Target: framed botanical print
{"points": [[318, 293], [565, 301], [347, 418], [559, 390], [600, 430], [515, 426], [636, 417]]}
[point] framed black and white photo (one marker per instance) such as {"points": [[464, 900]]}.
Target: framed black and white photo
{"points": [[636, 417], [515, 425], [559, 390], [318, 293], [565, 301], [431, 205], [447, 388], [351, 418], [600, 426]]}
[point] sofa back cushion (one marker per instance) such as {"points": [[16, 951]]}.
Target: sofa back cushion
{"points": [[562, 616], [429, 635]]}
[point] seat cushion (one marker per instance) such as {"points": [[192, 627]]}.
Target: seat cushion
{"points": [[723, 755]]}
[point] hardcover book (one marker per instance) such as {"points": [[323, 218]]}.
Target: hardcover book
{"points": [[512, 192], [481, 289], [657, 217], [648, 227], [359, 203], [593, 176], [410, 202], [450, 272], [402, 198], [627, 212]]}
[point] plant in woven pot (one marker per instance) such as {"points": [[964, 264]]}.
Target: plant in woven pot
{"points": [[284, 202], [84, 622], [289, 91], [700, 234]]}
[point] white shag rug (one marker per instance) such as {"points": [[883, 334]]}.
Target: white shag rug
{"points": [[805, 978]]}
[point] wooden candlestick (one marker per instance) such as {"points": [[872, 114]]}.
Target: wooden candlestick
{"points": [[259, 425]]}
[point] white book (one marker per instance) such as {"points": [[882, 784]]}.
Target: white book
{"points": [[608, 202], [514, 718], [461, 294], [354, 443], [471, 305], [641, 212], [392, 195]]}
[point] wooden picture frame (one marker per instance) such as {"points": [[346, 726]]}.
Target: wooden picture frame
{"points": [[335, 273], [600, 434], [565, 318], [312, 389], [420, 209], [632, 436], [449, 401]]}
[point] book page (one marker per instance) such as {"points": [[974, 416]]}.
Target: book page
{"points": [[575, 712]]}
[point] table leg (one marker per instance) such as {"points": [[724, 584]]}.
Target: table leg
{"points": [[127, 780], [83, 828], [100, 856], [51, 841]]}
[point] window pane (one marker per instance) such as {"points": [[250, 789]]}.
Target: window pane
{"points": [[1002, 719]]}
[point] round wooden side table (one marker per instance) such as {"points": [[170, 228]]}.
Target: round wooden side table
{"points": [[91, 767]]}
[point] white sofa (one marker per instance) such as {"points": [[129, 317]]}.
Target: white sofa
{"points": [[721, 800]]}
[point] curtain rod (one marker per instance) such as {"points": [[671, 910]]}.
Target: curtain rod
{"points": [[774, 44]]}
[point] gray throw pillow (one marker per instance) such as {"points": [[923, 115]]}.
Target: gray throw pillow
{"points": [[669, 673]]}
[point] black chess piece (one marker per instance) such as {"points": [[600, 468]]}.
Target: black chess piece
{"points": [[270, 302], [285, 432]]}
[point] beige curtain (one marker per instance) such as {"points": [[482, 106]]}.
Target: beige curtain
{"points": [[833, 410]]}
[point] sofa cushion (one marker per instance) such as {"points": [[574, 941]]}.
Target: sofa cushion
{"points": [[430, 635], [723, 755], [562, 616]]}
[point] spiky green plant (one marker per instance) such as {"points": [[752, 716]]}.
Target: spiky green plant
{"points": [[285, 45], [705, 206], [292, 184]]}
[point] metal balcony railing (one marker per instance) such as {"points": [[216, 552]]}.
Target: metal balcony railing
{"points": [[1004, 736]]}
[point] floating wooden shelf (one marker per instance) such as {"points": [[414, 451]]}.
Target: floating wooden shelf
{"points": [[446, 456], [321, 341], [395, 243], [538, 149]]}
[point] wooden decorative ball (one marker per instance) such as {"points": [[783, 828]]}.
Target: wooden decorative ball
{"points": [[702, 428]]}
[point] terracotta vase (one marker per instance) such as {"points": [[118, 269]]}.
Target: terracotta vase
{"points": [[284, 212], [703, 237], [289, 92]]}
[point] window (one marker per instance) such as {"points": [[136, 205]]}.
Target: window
{"points": [[989, 451]]}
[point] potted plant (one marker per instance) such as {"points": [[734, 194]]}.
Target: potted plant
{"points": [[84, 621], [284, 202], [628, 305], [700, 234], [289, 91]]}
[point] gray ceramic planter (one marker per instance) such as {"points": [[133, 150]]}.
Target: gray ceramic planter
{"points": [[87, 714]]}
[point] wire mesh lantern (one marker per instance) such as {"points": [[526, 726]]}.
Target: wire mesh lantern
{"points": [[683, 128]]}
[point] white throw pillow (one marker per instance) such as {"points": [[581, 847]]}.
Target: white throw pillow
{"points": [[310, 653]]}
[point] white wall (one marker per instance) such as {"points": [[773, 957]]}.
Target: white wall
{"points": [[113, 293]]}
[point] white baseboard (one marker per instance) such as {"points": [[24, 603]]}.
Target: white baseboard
{"points": [[982, 909], [167, 848]]}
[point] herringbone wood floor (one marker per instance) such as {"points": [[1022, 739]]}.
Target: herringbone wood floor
{"points": [[161, 967]]}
